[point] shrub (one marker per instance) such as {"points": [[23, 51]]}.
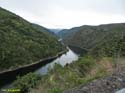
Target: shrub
{"points": [[27, 82]]}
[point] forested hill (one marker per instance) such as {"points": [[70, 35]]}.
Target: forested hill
{"points": [[67, 32], [44, 30], [21, 43], [102, 39], [102, 65]]}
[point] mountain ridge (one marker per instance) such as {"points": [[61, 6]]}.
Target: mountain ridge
{"points": [[21, 43], [93, 37]]}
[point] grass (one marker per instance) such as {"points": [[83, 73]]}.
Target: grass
{"points": [[61, 78], [82, 71], [27, 82]]}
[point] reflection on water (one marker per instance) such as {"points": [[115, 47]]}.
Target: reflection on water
{"points": [[69, 57]]}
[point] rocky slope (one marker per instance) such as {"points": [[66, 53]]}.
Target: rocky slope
{"points": [[109, 84]]}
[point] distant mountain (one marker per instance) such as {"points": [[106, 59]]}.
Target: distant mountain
{"points": [[102, 38], [67, 32], [43, 29], [103, 64], [55, 30], [23, 43]]}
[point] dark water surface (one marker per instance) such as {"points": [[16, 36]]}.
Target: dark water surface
{"points": [[68, 57]]}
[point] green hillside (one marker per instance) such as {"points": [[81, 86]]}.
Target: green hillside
{"points": [[67, 32], [43, 29], [106, 47], [103, 38], [21, 43]]}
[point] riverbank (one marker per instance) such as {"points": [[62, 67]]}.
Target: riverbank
{"points": [[78, 72], [63, 60], [78, 50], [10, 75]]}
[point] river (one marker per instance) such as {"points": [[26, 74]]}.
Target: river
{"points": [[68, 57]]}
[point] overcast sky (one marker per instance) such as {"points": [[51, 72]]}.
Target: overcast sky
{"points": [[68, 13]]}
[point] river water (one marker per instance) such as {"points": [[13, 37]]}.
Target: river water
{"points": [[68, 57]]}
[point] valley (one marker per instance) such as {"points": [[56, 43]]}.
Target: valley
{"points": [[35, 59]]}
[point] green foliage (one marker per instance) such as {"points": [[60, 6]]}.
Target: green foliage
{"points": [[103, 40], [21, 43], [112, 48], [27, 82], [60, 78], [66, 33], [55, 90]]}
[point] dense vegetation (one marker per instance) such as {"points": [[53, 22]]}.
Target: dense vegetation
{"points": [[103, 39], [27, 82], [43, 29], [105, 44], [21, 43], [64, 33], [61, 78]]}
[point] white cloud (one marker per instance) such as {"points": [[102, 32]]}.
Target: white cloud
{"points": [[67, 13]]}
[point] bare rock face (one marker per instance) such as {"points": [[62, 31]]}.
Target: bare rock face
{"points": [[106, 85], [114, 83]]}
